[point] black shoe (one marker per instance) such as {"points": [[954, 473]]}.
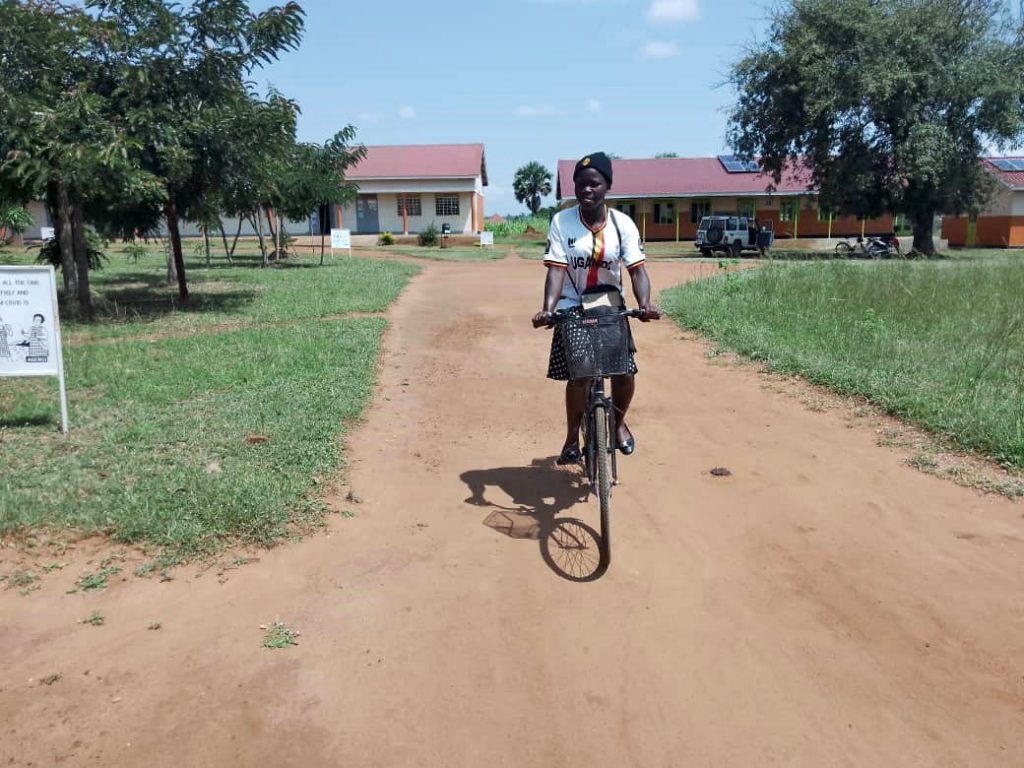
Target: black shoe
{"points": [[627, 446], [570, 455]]}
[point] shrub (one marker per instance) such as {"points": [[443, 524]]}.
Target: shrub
{"points": [[386, 238], [13, 219], [428, 237], [49, 253], [135, 251]]}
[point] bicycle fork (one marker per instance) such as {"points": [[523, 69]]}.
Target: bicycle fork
{"points": [[598, 397]]}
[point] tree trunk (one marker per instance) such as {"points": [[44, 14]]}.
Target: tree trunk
{"points": [[323, 244], [171, 211], [62, 224], [280, 226], [272, 226], [238, 234], [206, 242], [81, 251], [224, 237], [259, 234], [172, 270], [923, 225]]}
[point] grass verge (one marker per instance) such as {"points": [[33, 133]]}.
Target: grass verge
{"points": [[939, 343], [208, 436]]}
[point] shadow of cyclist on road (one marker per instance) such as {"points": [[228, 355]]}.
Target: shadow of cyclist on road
{"points": [[535, 495]]}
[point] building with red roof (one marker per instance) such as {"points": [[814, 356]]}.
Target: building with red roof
{"points": [[1001, 223], [667, 197], [407, 188]]}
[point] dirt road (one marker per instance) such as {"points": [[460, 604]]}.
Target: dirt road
{"points": [[825, 605]]}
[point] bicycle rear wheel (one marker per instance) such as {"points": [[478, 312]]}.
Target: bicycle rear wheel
{"points": [[603, 477]]}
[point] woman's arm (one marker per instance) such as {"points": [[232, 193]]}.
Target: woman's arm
{"points": [[642, 292], [552, 292]]}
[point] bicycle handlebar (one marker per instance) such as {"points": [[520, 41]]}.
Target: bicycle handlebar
{"points": [[560, 315]]}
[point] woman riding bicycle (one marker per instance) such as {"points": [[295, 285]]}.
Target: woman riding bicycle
{"points": [[587, 245]]}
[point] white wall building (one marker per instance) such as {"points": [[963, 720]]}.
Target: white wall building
{"points": [[405, 189]]}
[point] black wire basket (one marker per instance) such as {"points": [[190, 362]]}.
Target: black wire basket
{"points": [[596, 345]]}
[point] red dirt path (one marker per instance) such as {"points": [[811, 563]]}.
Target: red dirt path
{"points": [[825, 605]]}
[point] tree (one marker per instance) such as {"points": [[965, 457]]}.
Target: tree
{"points": [[315, 177], [175, 73], [58, 137], [888, 103], [531, 182], [663, 155]]}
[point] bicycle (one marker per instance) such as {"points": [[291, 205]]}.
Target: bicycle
{"points": [[605, 353]]}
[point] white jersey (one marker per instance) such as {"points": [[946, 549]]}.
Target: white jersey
{"points": [[591, 257]]}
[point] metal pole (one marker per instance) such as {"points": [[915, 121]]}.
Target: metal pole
{"points": [[60, 355]]}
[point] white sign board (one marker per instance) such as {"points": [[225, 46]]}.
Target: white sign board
{"points": [[341, 238], [30, 326], [486, 238], [47, 233]]}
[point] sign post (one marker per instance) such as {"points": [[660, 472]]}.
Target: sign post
{"points": [[30, 328], [340, 239]]}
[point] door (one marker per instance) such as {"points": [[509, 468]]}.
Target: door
{"points": [[972, 231], [366, 214]]}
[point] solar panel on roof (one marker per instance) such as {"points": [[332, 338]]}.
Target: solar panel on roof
{"points": [[1008, 163], [733, 164]]}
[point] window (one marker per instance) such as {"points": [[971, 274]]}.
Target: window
{"points": [[698, 210], [788, 210], [410, 204], [446, 205], [746, 207], [824, 213], [629, 209], [664, 213]]}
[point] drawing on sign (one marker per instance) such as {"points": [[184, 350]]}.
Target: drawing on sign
{"points": [[36, 341], [5, 331]]}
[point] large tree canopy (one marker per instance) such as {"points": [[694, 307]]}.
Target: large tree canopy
{"points": [[531, 182], [889, 103]]}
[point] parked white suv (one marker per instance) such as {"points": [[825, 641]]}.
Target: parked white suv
{"points": [[734, 235]]}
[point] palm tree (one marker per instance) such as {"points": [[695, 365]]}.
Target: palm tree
{"points": [[531, 183]]}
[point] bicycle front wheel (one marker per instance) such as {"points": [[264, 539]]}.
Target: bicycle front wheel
{"points": [[843, 249], [603, 477]]}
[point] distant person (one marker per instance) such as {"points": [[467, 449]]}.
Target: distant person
{"points": [[587, 246]]}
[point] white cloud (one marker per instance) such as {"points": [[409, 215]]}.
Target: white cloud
{"points": [[673, 10], [407, 112], [527, 110], [593, 105], [369, 117], [659, 50]]}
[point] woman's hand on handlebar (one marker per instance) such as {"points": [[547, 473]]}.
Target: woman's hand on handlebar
{"points": [[542, 319], [651, 312]]}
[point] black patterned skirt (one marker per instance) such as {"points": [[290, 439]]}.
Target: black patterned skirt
{"points": [[558, 368]]}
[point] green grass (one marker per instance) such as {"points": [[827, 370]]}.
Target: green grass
{"points": [[938, 343], [514, 228], [455, 253], [136, 299], [280, 636], [201, 425]]}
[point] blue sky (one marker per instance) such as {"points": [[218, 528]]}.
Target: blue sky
{"points": [[531, 79]]}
